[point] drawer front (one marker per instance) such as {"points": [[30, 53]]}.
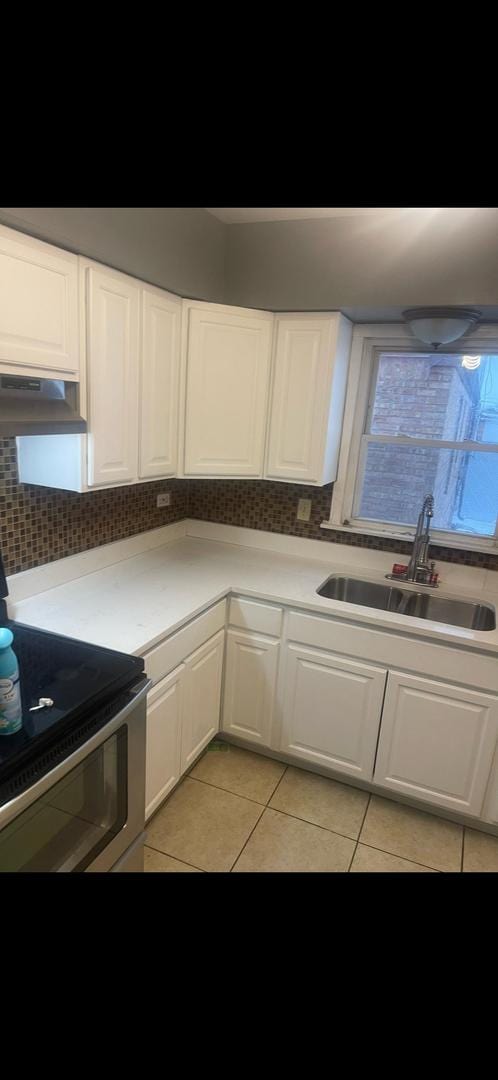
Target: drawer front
{"points": [[171, 652], [251, 615], [395, 650]]}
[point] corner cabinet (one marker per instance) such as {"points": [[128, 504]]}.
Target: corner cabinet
{"points": [[311, 358], [129, 390], [437, 742], [228, 353], [38, 308], [250, 683]]}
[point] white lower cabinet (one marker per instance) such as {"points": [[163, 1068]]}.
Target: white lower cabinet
{"points": [[250, 681], [437, 742], [331, 710], [202, 698], [164, 728], [490, 809]]}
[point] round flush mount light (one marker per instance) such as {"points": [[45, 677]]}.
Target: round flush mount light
{"points": [[439, 325], [471, 362]]}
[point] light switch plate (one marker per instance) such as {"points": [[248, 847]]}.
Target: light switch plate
{"points": [[303, 510], [164, 499]]}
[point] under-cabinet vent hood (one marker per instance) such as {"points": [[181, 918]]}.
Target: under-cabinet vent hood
{"points": [[32, 406]]}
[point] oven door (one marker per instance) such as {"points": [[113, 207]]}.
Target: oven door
{"points": [[87, 811]]}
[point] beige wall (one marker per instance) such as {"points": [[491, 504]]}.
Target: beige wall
{"points": [[370, 267], [180, 249]]}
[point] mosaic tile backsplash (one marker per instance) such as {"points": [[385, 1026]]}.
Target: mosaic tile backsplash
{"points": [[39, 525]]}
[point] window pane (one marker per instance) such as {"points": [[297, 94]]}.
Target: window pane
{"points": [[464, 485], [434, 396]]}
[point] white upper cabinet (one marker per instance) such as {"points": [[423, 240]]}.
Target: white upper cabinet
{"points": [[113, 308], [311, 357], [38, 308], [227, 383], [437, 742], [160, 382]]}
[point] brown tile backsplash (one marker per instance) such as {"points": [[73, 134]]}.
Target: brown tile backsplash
{"points": [[266, 504], [39, 525]]}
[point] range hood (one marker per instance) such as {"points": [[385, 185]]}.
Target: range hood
{"points": [[32, 406]]}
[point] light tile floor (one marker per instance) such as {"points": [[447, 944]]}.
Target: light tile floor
{"points": [[237, 811]]}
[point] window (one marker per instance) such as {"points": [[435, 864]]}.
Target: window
{"points": [[419, 422]]}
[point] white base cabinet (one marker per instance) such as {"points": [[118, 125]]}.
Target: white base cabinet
{"points": [[164, 734], [437, 742], [183, 715], [331, 710], [202, 698], [429, 740], [250, 682]]}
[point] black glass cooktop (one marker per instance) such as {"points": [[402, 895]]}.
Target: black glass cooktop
{"points": [[80, 678]]}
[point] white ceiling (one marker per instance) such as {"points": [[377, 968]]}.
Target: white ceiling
{"points": [[233, 215]]}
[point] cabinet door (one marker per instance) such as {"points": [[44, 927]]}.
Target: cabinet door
{"points": [[332, 708], [163, 754], [251, 672], [112, 370], [436, 742], [201, 714], [227, 393], [160, 368], [300, 399], [38, 307], [490, 809]]}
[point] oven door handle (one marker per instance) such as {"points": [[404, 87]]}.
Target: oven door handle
{"points": [[16, 805]]}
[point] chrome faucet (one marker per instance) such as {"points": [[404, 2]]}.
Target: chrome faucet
{"points": [[419, 569]]}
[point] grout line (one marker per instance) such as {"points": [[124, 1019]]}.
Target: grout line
{"points": [[207, 783], [248, 838], [306, 821], [277, 786], [406, 858], [160, 852], [359, 833], [463, 848]]}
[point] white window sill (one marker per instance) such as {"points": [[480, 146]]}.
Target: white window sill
{"points": [[462, 543]]}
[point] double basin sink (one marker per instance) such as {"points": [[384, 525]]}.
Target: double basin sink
{"points": [[419, 605]]}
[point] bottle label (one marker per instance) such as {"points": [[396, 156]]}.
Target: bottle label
{"points": [[10, 706]]}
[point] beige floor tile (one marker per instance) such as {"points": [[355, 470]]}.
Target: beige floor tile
{"points": [[480, 852], [371, 861], [322, 801], [413, 834], [156, 863], [285, 844], [203, 826], [239, 771]]}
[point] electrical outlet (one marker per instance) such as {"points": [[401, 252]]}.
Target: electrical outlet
{"points": [[164, 499], [303, 510]]}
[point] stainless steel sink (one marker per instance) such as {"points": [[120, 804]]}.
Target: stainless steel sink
{"points": [[418, 605]]}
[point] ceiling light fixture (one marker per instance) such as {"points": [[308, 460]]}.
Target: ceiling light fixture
{"points": [[439, 325], [471, 362]]}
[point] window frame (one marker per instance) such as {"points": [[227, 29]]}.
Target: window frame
{"points": [[368, 341]]}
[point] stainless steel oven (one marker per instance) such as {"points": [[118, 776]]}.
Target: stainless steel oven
{"points": [[87, 812]]}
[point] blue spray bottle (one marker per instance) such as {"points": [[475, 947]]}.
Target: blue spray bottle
{"points": [[10, 694]]}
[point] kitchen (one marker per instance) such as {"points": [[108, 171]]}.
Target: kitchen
{"points": [[249, 494]]}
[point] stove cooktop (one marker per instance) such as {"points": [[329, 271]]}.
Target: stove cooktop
{"points": [[80, 678]]}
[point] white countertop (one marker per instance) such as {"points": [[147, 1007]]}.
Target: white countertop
{"points": [[134, 603]]}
